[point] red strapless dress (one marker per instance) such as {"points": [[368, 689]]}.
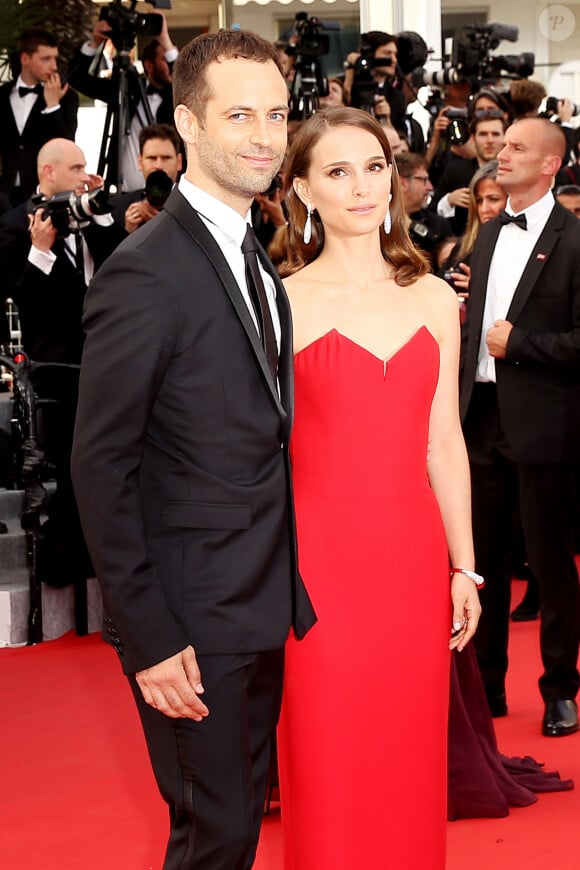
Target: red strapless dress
{"points": [[363, 732]]}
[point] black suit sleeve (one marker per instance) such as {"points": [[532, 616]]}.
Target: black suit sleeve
{"points": [[82, 80], [560, 350], [131, 331]]}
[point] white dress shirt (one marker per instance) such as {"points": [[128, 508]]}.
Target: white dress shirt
{"points": [[22, 107], [228, 228], [512, 251]]}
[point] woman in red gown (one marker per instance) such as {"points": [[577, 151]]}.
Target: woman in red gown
{"points": [[382, 504]]}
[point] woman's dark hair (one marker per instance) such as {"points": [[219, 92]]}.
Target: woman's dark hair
{"points": [[397, 248]]}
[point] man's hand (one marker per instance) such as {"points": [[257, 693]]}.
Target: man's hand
{"points": [[42, 231], [95, 182], [271, 208], [164, 37], [101, 33], [459, 197], [53, 90], [137, 214], [382, 108], [497, 338], [462, 278], [173, 687]]}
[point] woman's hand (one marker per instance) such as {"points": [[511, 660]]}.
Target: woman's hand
{"points": [[466, 611]]}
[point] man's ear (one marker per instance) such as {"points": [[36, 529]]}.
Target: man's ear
{"points": [[186, 124]]}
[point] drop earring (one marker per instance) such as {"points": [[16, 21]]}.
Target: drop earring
{"points": [[307, 235], [388, 223]]}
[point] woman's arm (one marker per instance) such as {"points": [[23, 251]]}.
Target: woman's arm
{"points": [[448, 467]]}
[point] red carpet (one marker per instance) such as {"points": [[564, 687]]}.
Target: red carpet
{"points": [[76, 792]]}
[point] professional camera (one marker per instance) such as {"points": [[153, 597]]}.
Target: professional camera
{"points": [[458, 129], [470, 58], [310, 80], [552, 106], [158, 186], [69, 210], [126, 23]]}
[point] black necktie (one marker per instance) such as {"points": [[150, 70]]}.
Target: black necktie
{"points": [[518, 219], [79, 255], [260, 300], [22, 92], [151, 89]]}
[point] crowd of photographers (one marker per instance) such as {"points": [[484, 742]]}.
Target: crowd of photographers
{"points": [[58, 222]]}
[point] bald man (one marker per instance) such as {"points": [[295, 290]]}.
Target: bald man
{"points": [[47, 278], [520, 406]]}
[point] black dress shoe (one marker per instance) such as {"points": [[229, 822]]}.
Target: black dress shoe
{"points": [[560, 718], [497, 705], [525, 612]]}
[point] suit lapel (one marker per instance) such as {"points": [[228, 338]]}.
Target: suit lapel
{"points": [[188, 218], [538, 258]]}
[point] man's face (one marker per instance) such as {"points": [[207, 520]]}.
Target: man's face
{"points": [[38, 66], [160, 154], [488, 139], [67, 172], [416, 188], [388, 51], [237, 148], [524, 158], [158, 72], [571, 201]]}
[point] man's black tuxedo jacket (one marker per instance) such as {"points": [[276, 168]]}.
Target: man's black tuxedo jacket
{"points": [[49, 306], [180, 463], [18, 152], [458, 173], [538, 383]]}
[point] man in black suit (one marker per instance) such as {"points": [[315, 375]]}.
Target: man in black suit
{"points": [[159, 151], [520, 405], [47, 276], [180, 461], [34, 108], [158, 57]]}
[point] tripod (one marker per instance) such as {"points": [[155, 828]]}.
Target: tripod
{"points": [[128, 99]]}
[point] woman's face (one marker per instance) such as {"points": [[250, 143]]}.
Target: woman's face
{"points": [[489, 199], [348, 182]]}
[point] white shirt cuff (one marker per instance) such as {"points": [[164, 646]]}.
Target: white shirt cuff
{"points": [[444, 208], [43, 260]]}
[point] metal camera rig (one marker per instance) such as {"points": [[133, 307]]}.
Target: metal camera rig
{"points": [[128, 86], [310, 81]]}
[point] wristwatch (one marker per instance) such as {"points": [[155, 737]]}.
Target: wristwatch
{"points": [[477, 578]]}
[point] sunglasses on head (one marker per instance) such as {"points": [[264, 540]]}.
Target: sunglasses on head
{"points": [[488, 113]]}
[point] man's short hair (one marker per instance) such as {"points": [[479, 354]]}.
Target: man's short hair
{"points": [[488, 115], [30, 40], [159, 131], [526, 96], [408, 162], [376, 38], [567, 190], [190, 86]]}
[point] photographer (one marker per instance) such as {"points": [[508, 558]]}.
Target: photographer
{"points": [[48, 268], [428, 231], [451, 197], [372, 85], [158, 58], [47, 276], [159, 156]]}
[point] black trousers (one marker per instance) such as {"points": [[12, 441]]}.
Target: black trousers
{"points": [[545, 496], [213, 773]]}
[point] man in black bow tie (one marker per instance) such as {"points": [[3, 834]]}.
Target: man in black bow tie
{"points": [[34, 108], [157, 57], [520, 406]]}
